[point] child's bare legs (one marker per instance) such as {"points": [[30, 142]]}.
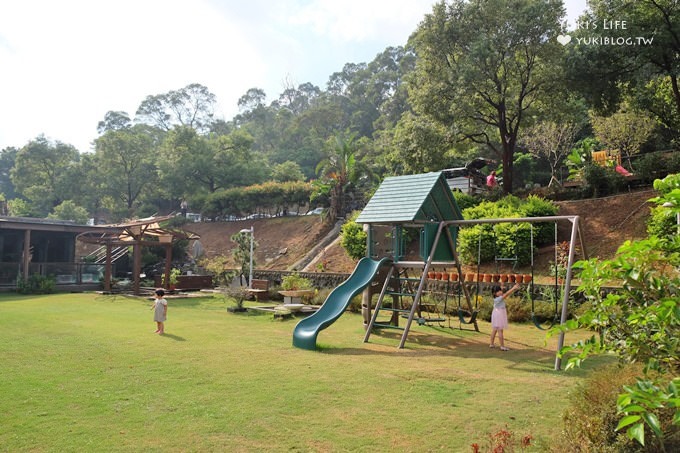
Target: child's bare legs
{"points": [[501, 339], [159, 326]]}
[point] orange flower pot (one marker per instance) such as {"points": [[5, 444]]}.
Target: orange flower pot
{"points": [[430, 275], [488, 278], [454, 276], [496, 277], [518, 278], [526, 278], [445, 276], [438, 275], [504, 278], [469, 277]]}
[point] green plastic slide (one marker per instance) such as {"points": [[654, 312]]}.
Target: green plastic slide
{"points": [[336, 303]]}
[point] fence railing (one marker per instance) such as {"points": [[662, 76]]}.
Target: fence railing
{"points": [[63, 273]]}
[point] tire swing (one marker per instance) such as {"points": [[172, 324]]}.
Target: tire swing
{"points": [[544, 325], [462, 314]]}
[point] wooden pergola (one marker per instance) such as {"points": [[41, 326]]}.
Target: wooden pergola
{"points": [[136, 234]]}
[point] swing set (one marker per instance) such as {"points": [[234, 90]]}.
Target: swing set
{"points": [[425, 202], [467, 317]]}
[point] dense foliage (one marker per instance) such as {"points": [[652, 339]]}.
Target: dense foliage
{"points": [[476, 79], [506, 240], [639, 322]]}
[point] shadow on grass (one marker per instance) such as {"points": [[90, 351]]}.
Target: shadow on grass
{"points": [[466, 345], [173, 337]]}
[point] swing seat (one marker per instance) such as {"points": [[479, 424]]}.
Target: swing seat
{"points": [[538, 324], [462, 314]]}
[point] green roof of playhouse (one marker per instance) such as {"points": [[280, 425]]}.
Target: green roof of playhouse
{"points": [[399, 199]]}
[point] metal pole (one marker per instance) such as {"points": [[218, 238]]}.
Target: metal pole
{"points": [[252, 239], [567, 290]]}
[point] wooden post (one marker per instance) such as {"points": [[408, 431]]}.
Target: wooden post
{"points": [[168, 264], [136, 266], [107, 268], [26, 254]]}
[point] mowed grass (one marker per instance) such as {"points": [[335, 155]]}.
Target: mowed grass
{"points": [[84, 372]]}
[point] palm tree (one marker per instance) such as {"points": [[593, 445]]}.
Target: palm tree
{"points": [[341, 170]]}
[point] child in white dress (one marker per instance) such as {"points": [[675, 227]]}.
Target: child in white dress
{"points": [[499, 315], [160, 311]]}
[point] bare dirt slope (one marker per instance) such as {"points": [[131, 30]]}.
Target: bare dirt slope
{"points": [[606, 224]]}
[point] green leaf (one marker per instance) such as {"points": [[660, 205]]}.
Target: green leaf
{"points": [[632, 408], [637, 432], [627, 420], [653, 422]]}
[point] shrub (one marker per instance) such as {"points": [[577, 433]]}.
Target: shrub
{"points": [[505, 239], [353, 237], [535, 206], [465, 201], [589, 422], [36, 284], [661, 222], [320, 296], [648, 166], [294, 282], [596, 180], [640, 322]]}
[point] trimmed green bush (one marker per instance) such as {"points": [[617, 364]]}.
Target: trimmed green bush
{"points": [[353, 237], [36, 284]]}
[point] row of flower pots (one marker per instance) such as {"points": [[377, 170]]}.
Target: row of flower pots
{"points": [[486, 278]]}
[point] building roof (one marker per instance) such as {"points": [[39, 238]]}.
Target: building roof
{"points": [[422, 197]]}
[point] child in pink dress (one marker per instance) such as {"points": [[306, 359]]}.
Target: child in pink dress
{"points": [[160, 311], [499, 315]]}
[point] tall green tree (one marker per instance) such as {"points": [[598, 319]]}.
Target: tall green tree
{"points": [[550, 141], [625, 130], [483, 64], [644, 58], [341, 169], [127, 165], [7, 158], [43, 173], [192, 106]]}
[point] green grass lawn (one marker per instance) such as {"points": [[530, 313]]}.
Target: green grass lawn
{"points": [[84, 372]]}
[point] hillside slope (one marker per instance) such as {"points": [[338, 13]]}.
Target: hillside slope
{"points": [[606, 224]]}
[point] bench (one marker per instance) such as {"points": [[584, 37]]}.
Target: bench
{"points": [[259, 289]]}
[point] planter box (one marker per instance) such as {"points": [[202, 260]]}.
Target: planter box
{"points": [[296, 296]]}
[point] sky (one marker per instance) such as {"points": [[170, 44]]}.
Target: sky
{"points": [[64, 64]]}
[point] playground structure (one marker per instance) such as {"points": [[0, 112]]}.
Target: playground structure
{"points": [[422, 203]]}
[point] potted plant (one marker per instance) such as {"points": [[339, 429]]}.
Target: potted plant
{"points": [[174, 273], [296, 287]]}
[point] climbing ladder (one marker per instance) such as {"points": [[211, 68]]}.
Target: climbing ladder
{"points": [[398, 285]]}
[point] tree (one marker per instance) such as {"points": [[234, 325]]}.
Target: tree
{"points": [[287, 171], [7, 159], [419, 145], [68, 210], [191, 106], [126, 165], [340, 168], [114, 121], [550, 141], [482, 64], [241, 253], [43, 173], [647, 50], [625, 131]]}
